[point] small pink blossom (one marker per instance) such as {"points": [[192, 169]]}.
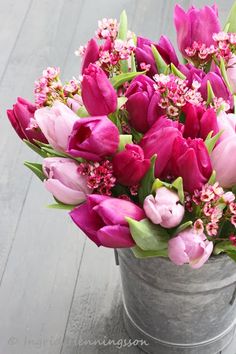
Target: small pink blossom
{"points": [[233, 220], [228, 197], [212, 229], [232, 208], [198, 226]]}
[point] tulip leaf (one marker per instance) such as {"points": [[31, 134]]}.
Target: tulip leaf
{"points": [[212, 179], [61, 206], [146, 184], [139, 253], [211, 141], [210, 93], [133, 63], [231, 23], [183, 227], [36, 168], [124, 139], [177, 184], [234, 189], [114, 117], [232, 255], [123, 26], [160, 63], [136, 135], [35, 148], [121, 101], [120, 79], [224, 246], [224, 73], [177, 72], [51, 152], [147, 236], [82, 112]]}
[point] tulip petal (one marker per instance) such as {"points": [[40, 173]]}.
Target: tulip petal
{"points": [[64, 194], [115, 236]]}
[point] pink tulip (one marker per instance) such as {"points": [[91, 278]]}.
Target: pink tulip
{"points": [[199, 122], [223, 156], [190, 247], [231, 73], [98, 94], [130, 166], [93, 138], [64, 181], [91, 54], [23, 121], [56, 123], [191, 161], [165, 208], [74, 103], [196, 25], [107, 225]]}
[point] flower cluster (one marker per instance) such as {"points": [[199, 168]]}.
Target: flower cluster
{"points": [[141, 147]]}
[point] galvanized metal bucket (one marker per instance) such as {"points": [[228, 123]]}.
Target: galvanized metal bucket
{"points": [[179, 310]]}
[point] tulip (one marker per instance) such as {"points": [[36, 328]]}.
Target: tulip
{"points": [[93, 138], [74, 103], [165, 208], [190, 247], [231, 73], [91, 54], [142, 104], [195, 25], [223, 156], [130, 166], [107, 224], [23, 121], [218, 86], [144, 53], [191, 161], [98, 94], [64, 181], [56, 123], [159, 140], [199, 122]]}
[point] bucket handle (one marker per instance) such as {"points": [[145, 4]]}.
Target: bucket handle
{"points": [[117, 258], [233, 296]]}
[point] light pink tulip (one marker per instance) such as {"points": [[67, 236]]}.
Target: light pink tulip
{"points": [[64, 181], [74, 103], [56, 123], [165, 208], [190, 247], [223, 156], [231, 73]]}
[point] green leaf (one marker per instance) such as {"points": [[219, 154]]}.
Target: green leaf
{"points": [[61, 206], [224, 73], [224, 246], [183, 227], [147, 236], [231, 23], [121, 101], [210, 93], [36, 168], [50, 151], [35, 148], [136, 135], [232, 255], [82, 112], [177, 72], [212, 179], [118, 80], [133, 63], [177, 184], [210, 141], [139, 253], [160, 63], [147, 181], [123, 26], [234, 189], [124, 139], [114, 117]]}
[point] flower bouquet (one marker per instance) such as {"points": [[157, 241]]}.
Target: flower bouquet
{"points": [[141, 146]]}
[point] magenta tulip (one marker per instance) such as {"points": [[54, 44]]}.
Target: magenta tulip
{"points": [[143, 103], [56, 123], [165, 208], [191, 248], [107, 225], [191, 161], [98, 94], [91, 54], [224, 154], [195, 25], [130, 166], [64, 181], [93, 138], [23, 121], [199, 122], [159, 140]]}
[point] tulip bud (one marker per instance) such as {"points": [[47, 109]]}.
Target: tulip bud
{"points": [[91, 54]]}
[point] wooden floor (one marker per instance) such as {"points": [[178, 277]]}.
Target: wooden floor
{"points": [[56, 289]]}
